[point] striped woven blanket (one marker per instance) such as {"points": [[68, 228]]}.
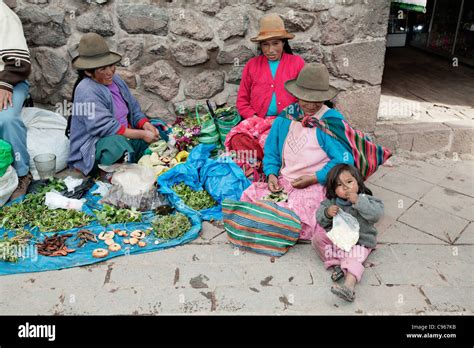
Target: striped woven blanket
{"points": [[262, 227]]}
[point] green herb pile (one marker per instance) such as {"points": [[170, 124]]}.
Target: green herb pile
{"points": [[10, 248], [111, 215], [197, 200], [32, 211], [276, 197], [171, 226]]}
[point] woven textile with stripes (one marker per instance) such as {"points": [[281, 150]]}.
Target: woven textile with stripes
{"points": [[262, 227]]}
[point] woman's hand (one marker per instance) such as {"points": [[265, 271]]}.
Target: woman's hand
{"points": [[273, 184], [149, 127], [304, 181], [149, 137], [5, 99], [332, 210]]}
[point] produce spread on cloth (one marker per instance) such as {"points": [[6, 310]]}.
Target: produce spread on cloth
{"points": [[43, 230]]}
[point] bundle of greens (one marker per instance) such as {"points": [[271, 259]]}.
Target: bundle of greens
{"points": [[197, 200], [276, 197], [33, 212], [111, 215], [42, 187], [10, 248], [171, 226]]}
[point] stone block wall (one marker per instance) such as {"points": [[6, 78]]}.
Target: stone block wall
{"points": [[182, 52]]}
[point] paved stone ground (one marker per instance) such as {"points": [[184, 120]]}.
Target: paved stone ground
{"points": [[422, 87], [423, 264]]}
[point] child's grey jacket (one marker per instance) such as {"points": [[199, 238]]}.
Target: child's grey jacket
{"points": [[368, 210]]}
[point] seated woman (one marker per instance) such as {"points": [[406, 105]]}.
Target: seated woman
{"points": [[262, 94], [107, 124], [298, 156]]}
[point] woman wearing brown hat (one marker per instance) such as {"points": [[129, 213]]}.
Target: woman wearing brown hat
{"points": [[298, 157], [107, 122], [262, 93]]}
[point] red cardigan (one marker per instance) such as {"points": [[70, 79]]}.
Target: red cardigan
{"points": [[257, 85]]}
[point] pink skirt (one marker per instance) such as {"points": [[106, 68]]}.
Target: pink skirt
{"points": [[303, 202], [255, 127]]}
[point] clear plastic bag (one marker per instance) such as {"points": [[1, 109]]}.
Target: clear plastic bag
{"points": [[133, 186], [345, 231]]}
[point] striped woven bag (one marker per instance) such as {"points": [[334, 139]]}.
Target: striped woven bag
{"points": [[262, 227]]}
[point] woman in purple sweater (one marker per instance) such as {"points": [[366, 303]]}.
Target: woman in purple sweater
{"points": [[107, 124]]}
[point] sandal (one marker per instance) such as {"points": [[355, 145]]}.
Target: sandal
{"points": [[343, 292], [337, 273]]}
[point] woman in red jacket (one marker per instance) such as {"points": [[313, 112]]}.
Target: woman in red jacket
{"points": [[262, 95]]}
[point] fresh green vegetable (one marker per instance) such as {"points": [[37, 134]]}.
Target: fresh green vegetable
{"points": [[53, 184], [197, 200], [276, 197], [171, 226], [32, 211], [111, 215], [10, 248]]}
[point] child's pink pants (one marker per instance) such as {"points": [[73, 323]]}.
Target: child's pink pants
{"points": [[331, 255]]}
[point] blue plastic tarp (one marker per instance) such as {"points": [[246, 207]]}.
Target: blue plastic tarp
{"points": [[31, 261], [221, 178]]}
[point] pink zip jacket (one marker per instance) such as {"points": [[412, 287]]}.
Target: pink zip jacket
{"points": [[257, 85]]}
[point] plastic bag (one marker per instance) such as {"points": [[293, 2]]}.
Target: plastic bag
{"points": [[345, 231], [133, 186], [79, 191], [8, 184], [221, 178], [71, 183], [6, 156], [54, 200], [45, 134]]}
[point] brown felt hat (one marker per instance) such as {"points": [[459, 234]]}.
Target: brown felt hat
{"points": [[312, 84], [272, 27], [94, 53]]}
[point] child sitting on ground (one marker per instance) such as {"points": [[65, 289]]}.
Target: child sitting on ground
{"points": [[345, 190]]}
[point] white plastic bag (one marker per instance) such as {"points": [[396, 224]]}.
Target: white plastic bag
{"points": [[54, 200], [133, 186], [8, 184], [345, 231], [45, 134], [71, 183]]}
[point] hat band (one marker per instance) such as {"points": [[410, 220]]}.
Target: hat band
{"points": [[311, 85], [273, 32], [99, 55], [312, 88]]}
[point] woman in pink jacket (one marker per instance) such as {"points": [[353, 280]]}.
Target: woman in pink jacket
{"points": [[262, 95]]}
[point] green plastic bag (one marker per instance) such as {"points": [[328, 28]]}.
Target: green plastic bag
{"points": [[226, 119], [209, 133], [6, 156]]}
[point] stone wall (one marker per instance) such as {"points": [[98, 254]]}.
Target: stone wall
{"points": [[178, 52]]}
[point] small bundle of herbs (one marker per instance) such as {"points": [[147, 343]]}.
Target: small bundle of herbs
{"points": [[276, 197], [11, 248], [197, 200], [171, 226], [110, 215]]}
